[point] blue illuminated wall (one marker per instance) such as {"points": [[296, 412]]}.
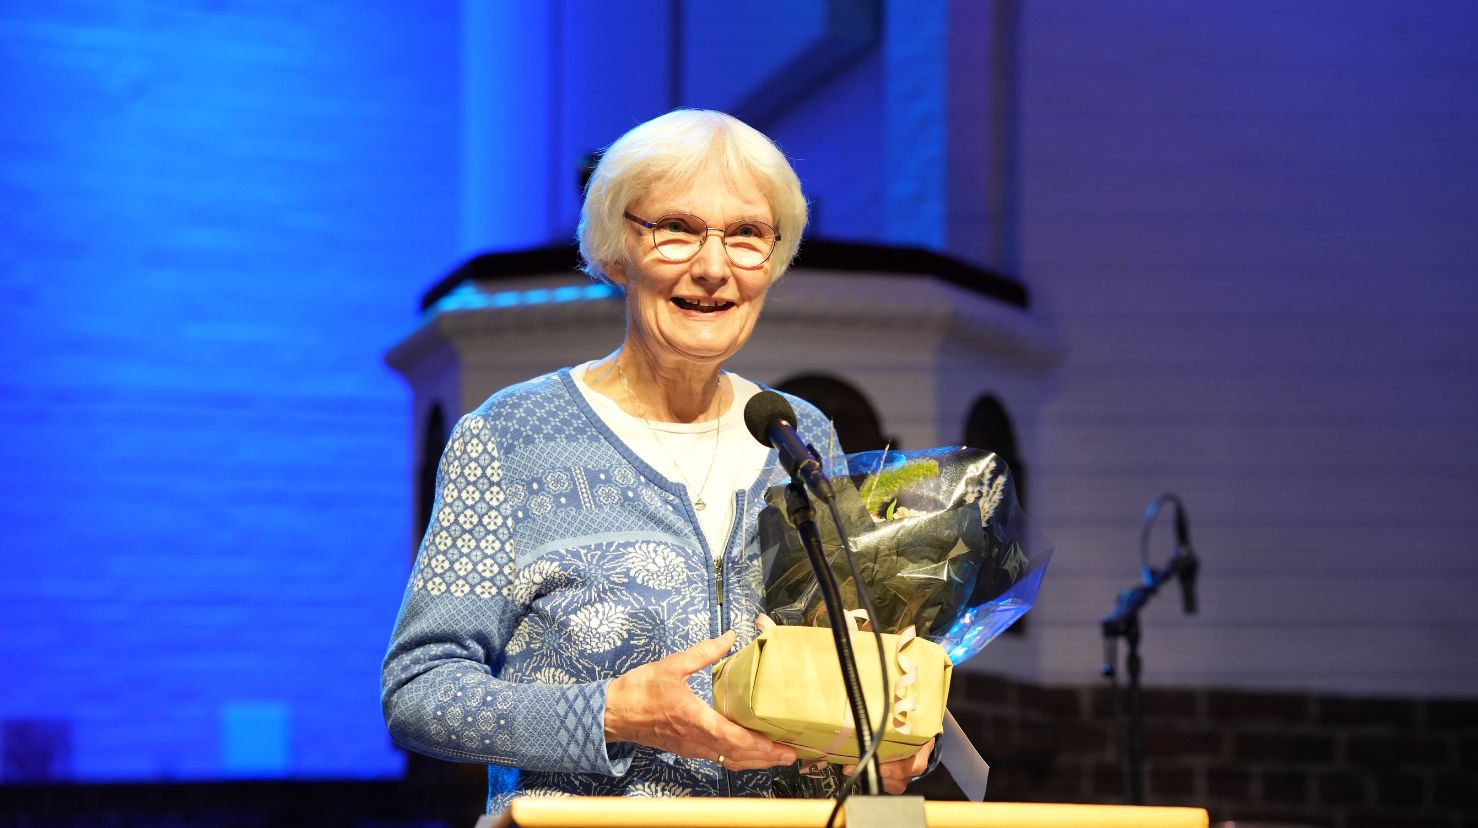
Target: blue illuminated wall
{"points": [[214, 218]]}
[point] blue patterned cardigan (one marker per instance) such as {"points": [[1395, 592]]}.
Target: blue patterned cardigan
{"points": [[555, 560]]}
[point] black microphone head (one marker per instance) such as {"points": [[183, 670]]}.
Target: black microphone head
{"points": [[762, 410]]}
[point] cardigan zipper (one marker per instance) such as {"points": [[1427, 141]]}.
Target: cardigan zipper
{"points": [[718, 561], [726, 787], [718, 582]]}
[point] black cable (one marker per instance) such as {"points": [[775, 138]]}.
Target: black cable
{"points": [[803, 517], [868, 760], [1150, 514]]}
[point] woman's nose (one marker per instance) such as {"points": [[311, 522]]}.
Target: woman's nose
{"points": [[712, 261]]}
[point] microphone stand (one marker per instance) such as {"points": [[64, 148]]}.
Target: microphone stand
{"points": [[1123, 623], [804, 520]]}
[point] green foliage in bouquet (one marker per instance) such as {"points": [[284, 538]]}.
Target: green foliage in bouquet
{"points": [[881, 488]]}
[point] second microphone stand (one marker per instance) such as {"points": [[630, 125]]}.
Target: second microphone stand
{"points": [[1123, 623]]}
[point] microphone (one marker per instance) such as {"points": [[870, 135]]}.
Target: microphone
{"points": [[772, 422], [1185, 561]]}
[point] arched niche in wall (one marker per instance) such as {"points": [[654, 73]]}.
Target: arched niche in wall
{"points": [[856, 421], [433, 442], [988, 426]]}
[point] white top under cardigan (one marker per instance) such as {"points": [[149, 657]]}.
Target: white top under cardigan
{"points": [[683, 452]]}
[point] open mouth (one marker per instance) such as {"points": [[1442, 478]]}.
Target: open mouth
{"points": [[702, 305]]}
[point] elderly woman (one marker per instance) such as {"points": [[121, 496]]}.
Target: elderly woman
{"points": [[589, 557]]}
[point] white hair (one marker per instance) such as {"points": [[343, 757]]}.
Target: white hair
{"points": [[673, 149]]}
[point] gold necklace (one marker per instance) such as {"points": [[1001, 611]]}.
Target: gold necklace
{"points": [[642, 412]]}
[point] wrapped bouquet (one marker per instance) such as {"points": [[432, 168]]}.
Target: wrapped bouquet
{"points": [[949, 560], [940, 541]]}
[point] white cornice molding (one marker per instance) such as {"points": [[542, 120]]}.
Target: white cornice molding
{"points": [[896, 306]]}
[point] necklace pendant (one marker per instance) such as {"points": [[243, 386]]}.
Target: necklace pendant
{"points": [[699, 504]]}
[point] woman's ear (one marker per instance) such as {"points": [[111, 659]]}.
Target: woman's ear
{"points": [[616, 272]]}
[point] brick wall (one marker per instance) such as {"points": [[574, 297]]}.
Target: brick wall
{"points": [[1291, 759], [1303, 758]]}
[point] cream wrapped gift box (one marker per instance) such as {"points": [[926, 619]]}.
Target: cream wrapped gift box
{"points": [[787, 685]]}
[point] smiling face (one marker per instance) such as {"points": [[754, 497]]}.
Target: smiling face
{"points": [[702, 310]]}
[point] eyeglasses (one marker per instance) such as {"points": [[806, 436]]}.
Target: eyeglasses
{"points": [[678, 237]]}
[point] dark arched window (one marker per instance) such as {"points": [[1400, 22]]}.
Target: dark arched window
{"points": [[989, 427], [855, 419], [433, 442]]}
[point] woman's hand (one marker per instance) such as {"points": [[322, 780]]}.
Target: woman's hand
{"points": [[898, 773], [652, 705]]}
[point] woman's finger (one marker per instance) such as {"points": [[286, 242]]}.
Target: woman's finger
{"points": [[921, 759], [752, 764], [900, 773], [894, 782], [703, 654], [746, 747]]}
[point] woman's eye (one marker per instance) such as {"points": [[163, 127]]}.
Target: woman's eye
{"points": [[679, 224]]}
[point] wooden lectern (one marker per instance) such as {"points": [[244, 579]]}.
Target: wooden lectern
{"points": [[629, 812]]}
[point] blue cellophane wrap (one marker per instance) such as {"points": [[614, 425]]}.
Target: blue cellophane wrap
{"points": [[940, 542]]}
